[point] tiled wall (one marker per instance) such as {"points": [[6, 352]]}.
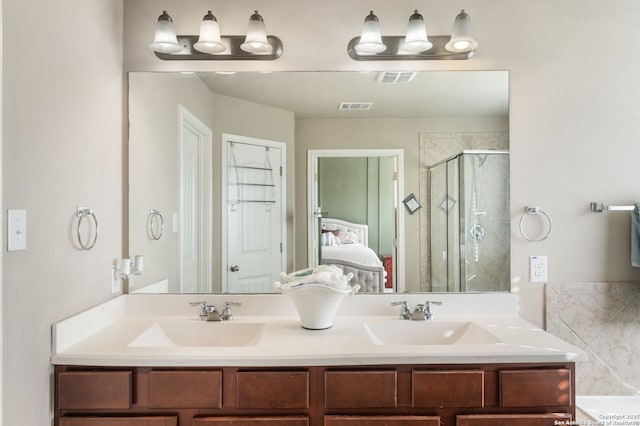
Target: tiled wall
{"points": [[603, 319]]}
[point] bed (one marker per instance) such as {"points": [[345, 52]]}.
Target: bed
{"points": [[345, 245]]}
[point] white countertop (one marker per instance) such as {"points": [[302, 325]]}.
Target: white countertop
{"points": [[102, 335]]}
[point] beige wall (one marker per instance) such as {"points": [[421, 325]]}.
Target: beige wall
{"points": [[63, 127], [154, 165], [154, 160]]}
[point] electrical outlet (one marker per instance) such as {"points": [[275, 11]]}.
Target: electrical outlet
{"points": [[538, 269]]}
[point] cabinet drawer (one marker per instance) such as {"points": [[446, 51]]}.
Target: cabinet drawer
{"points": [[185, 389], [119, 421], [273, 389], [448, 388], [250, 421], [361, 389], [535, 388], [513, 419], [100, 390], [381, 420]]}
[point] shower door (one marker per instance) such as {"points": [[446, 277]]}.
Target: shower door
{"points": [[470, 222]]}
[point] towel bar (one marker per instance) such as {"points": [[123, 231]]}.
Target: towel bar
{"points": [[599, 207]]}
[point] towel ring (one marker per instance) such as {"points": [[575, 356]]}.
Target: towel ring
{"points": [[81, 213], [155, 217], [535, 210]]}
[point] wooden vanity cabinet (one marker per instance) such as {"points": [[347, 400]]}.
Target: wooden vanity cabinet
{"points": [[119, 421], [386, 395]]}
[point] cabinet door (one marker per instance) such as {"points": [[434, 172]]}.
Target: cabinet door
{"points": [[185, 389], [448, 388], [273, 389], [250, 421], [381, 421], [119, 421], [361, 389], [535, 388], [513, 419], [94, 390]]}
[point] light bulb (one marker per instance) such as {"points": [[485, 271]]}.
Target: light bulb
{"points": [[462, 39]]}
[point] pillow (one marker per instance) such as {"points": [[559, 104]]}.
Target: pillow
{"points": [[330, 239], [350, 238]]}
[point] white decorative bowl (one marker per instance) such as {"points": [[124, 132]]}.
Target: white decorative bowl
{"points": [[316, 303]]}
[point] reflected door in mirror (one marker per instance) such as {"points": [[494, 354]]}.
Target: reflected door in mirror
{"points": [[254, 216]]}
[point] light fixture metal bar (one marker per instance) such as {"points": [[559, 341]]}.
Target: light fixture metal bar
{"points": [[393, 43], [233, 51]]}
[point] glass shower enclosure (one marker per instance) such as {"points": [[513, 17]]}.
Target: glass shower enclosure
{"points": [[469, 222]]}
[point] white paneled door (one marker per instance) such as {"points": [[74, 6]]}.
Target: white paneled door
{"points": [[195, 204], [255, 214]]}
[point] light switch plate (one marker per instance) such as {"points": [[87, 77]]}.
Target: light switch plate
{"points": [[16, 230]]}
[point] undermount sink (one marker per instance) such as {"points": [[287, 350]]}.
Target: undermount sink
{"points": [[199, 334], [399, 332]]}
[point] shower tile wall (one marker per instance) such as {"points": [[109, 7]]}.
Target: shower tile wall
{"points": [[435, 147], [603, 319]]}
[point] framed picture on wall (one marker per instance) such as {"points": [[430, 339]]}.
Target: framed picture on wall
{"points": [[411, 203]]}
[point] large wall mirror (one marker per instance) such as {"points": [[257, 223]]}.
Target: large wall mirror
{"points": [[209, 151]]}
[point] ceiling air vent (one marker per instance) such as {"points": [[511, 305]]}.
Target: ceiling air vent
{"points": [[355, 106], [395, 76]]}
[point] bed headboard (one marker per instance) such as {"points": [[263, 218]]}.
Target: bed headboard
{"points": [[361, 230]]}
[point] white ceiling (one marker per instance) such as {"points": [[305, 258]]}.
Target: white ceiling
{"points": [[318, 94]]}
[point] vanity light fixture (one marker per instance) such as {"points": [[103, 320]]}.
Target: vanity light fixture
{"points": [[165, 40], [416, 44], [211, 45], [371, 38], [416, 40], [209, 39], [256, 41], [462, 39]]}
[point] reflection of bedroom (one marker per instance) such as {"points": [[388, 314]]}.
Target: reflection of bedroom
{"points": [[357, 194]]}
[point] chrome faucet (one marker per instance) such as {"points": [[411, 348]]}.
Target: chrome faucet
{"points": [[210, 313], [207, 312], [226, 312], [421, 312]]}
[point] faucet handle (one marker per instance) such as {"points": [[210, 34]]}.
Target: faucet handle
{"points": [[405, 313], [226, 312], [205, 308], [427, 306]]}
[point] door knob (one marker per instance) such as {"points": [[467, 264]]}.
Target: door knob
{"points": [[234, 268]]}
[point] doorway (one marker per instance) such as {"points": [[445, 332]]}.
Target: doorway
{"points": [[254, 219], [387, 165], [195, 204]]}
